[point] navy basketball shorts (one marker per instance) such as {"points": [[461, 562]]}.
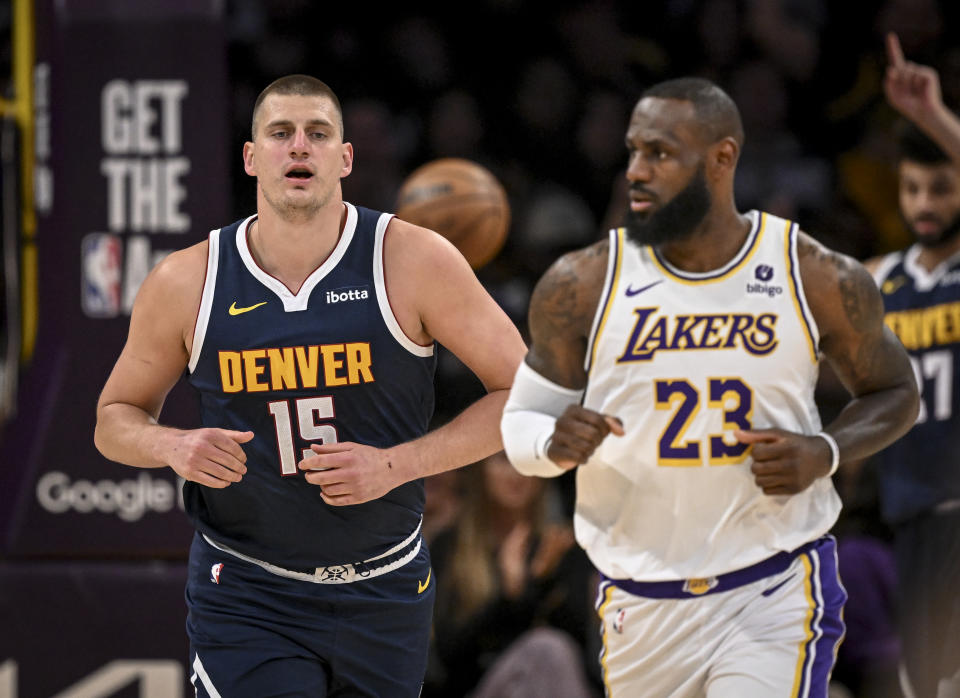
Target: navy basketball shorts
{"points": [[254, 633], [768, 630]]}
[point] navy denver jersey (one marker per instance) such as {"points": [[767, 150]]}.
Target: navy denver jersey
{"points": [[327, 364], [922, 308]]}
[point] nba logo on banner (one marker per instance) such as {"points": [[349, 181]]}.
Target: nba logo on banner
{"points": [[101, 255]]}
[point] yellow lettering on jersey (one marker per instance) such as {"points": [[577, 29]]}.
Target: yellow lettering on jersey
{"points": [[308, 362], [252, 370], [951, 324], [358, 362], [231, 373], [295, 368], [948, 323], [927, 323], [331, 363], [283, 370], [922, 328]]}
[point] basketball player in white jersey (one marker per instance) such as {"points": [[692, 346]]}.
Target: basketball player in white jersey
{"points": [[674, 366]]}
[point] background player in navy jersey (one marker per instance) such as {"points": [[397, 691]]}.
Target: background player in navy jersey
{"points": [[919, 475], [695, 335], [307, 575]]}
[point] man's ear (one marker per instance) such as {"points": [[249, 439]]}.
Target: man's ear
{"points": [[248, 165], [347, 160], [723, 155]]}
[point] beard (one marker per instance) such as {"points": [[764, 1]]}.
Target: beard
{"points": [[292, 210], [676, 220], [930, 240]]}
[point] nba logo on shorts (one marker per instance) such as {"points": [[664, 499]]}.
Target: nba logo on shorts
{"points": [[699, 586], [101, 255], [618, 621], [215, 572]]}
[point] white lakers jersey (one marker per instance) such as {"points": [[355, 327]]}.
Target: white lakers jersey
{"points": [[684, 359]]}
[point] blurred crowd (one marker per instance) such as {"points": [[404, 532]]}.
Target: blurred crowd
{"points": [[541, 95]]}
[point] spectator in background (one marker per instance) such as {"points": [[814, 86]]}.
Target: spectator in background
{"points": [[600, 146], [514, 593], [443, 497], [455, 127], [382, 137], [774, 173], [870, 653]]}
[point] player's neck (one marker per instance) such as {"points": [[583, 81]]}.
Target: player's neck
{"points": [[714, 243], [292, 250], [932, 257]]}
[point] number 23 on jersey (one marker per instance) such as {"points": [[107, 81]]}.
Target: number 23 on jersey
{"points": [[731, 396]]}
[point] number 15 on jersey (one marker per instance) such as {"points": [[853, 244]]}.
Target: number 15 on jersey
{"points": [[310, 411]]}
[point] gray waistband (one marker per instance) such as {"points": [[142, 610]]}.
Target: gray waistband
{"points": [[393, 559]]}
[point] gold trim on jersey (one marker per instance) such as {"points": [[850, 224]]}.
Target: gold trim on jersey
{"points": [[793, 268], [807, 624], [745, 255], [618, 241], [605, 671]]}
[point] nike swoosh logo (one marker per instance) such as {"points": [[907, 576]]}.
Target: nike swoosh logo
{"points": [[631, 292], [773, 589], [422, 586], [234, 310]]}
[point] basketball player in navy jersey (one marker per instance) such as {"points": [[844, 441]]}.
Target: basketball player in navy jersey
{"points": [[674, 366], [919, 475], [309, 331]]}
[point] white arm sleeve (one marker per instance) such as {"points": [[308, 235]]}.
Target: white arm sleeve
{"points": [[529, 418]]}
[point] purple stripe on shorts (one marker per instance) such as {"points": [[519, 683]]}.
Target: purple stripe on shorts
{"points": [[826, 624]]}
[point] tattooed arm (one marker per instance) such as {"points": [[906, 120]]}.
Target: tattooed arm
{"points": [[561, 314], [868, 359], [866, 356], [545, 430]]}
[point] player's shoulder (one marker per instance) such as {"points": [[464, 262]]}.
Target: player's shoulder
{"points": [[881, 266], [834, 282], [587, 264], [405, 237], [815, 258], [184, 266], [177, 280], [572, 286], [410, 250], [872, 264]]}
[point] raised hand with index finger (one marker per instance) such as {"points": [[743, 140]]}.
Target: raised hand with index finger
{"points": [[912, 89]]}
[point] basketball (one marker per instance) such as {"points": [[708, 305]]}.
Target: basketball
{"points": [[460, 200]]}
